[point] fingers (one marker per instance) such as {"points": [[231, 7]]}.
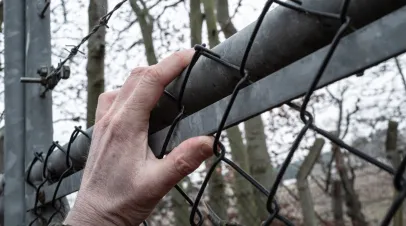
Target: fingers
{"points": [[149, 83], [173, 65], [104, 103], [183, 160]]}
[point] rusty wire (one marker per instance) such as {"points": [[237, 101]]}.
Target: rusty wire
{"points": [[272, 205]]}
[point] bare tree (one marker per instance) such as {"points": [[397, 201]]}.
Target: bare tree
{"points": [[399, 67], [246, 200], [395, 158], [351, 197], [146, 22], [196, 20], [243, 190], [260, 162], [95, 63], [337, 203], [211, 22], [344, 169], [305, 196], [224, 19], [216, 188]]}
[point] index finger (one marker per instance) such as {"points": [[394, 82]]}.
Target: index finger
{"points": [[149, 87], [169, 68]]}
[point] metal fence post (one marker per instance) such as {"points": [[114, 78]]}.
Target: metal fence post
{"points": [[14, 38], [38, 110]]}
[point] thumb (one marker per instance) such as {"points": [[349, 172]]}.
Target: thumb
{"points": [[185, 159]]}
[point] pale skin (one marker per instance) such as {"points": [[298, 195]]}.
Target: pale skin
{"points": [[123, 180]]}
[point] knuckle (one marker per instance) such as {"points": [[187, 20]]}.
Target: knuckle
{"points": [[138, 71], [103, 123], [117, 125], [182, 166], [152, 76], [106, 97], [102, 98]]}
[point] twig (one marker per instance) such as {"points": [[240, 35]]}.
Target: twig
{"points": [[293, 195], [400, 72], [328, 177], [65, 12], [74, 119], [167, 7], [2, 115], [214, 218], [229, 20]]}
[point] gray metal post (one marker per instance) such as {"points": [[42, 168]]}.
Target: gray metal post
{"points": [[38, 110], [14, 39]]}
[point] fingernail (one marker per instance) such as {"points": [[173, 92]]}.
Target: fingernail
{"points": [[207, 145]]}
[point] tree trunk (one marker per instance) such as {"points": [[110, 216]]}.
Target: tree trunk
{"points": [[305, 196], [180, 207], [243, 190], [337, 203], [223, 17], [146, 22], [196, 20], [95, 59], [351, 197], [216, 190], [211, 22], [260, 161], [395, 158], [216, 187]]}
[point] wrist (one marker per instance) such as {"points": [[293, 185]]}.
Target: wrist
{"points": [[77, 216], [92, 211], [84, 214]]}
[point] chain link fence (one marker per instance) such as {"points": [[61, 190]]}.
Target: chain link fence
{"points": [[281, 200]]}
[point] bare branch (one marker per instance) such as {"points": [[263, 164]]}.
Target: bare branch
{"points": [[167, 7], [154, 5], [146, 22], [143, 4], [2, 115], [328, 177], [195, 21], [74, 119], [126, 28], [224, 19], [236, 9], [400, 72], [348, 118], [65, 12], [332, 95], [293, 195], [1, 16], [141, 41], [318, 182], [214, 219]]}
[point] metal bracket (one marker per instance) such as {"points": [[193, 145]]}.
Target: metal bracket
{"points": [[49, 77]]}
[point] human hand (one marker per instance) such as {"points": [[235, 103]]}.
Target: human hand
{"points": [[123, 180]]}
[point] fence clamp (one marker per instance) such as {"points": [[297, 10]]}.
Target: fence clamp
{"points": [[48, 77]]}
